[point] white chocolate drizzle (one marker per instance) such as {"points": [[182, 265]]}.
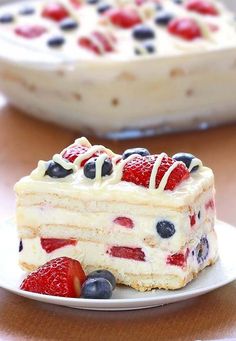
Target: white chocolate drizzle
{"points": [[64, 163], [152, 183], [39, 172], [194, 162], [99, 163], [165, 177]]}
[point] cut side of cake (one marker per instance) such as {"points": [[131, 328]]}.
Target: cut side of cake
{"points": [[149, 219]]}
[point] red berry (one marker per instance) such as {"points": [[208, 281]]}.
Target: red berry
{"points": [[76, 3], [186, 28], [177, 259], [192, 219], [124, 221], [135, 253], [55, 11], [71, 153], [51, 244], [201, 6], [138, 171], [95, 41], [124, 18], [30, 31], [210, 204], [59, 277]]}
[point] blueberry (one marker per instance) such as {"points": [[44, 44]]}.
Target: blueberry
{"points": [[27, 10], [99, 288], [199, 215], [55, 170], [142, 32], [131, 151], [163, 18], [187, 159], [6, 18], [56, 41], [90, 168], [202, 250], [20, 246], [165, 229], [178, 2], [102, 8], [103, 274], [92, 2], [148, 47], [68, 24]]}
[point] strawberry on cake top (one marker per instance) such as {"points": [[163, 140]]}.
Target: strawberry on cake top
{"points": [[149, 219]]}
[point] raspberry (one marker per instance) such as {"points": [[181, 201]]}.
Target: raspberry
{"points": [[201, 6], [124, 221], [55, 11], [59, 277], [30, 31], [185, 28], [124, 18], [51, 244], [138, 171], [94, 41], [134, 253]]}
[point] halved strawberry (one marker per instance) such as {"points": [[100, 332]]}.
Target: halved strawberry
{"points": [[55, 11], [123, 17], [95, 41], [71, 153], [30, 31], [185, 28], [138, 171], [134, 253], [59, 277], [51, 244], [201, 6]]}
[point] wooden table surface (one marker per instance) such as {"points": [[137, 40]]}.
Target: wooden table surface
{"points": [[23, 142]]}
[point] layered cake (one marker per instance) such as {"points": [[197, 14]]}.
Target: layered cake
{"points": [[149, 219], [168, 59]]}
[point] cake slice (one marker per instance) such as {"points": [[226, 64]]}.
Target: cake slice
{"points": [[149, 219]]}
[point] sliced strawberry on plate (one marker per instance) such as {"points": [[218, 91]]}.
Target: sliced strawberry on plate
{"points": [[138, 171], [202, 6], [123, 17], [59, 277], [52, 244], [55, 11], [30, 31]]}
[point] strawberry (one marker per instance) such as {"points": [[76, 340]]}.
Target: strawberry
{"points": [[55, 11], [123, 17], [95, 41], [30, 31], [201, 6], [51, 244], [59, 277], [134, 253], [192, 219], [138, 171], [75, 3], [124, 221], [177, 259], [185, 28], [71, 153]]}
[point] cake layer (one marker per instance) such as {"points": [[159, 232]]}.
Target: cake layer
{"points": [[157, 266]]}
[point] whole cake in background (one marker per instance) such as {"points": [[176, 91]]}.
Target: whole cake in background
{"points": [[149, 219]]}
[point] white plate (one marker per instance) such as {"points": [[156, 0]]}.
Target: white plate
{"points": [[223, 272]]}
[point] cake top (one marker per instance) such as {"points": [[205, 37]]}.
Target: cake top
{"points": [[118, 29], [81, 167]]}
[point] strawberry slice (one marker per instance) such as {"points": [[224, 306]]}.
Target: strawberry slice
{"points": [[134, 253], [138, 171], [192, 219], [30, 31], [95, 41], [55, 11], [59, 277], [185, 28], [202, 6], [71, 153], [125, 222], [124, 18], [51, 244]]}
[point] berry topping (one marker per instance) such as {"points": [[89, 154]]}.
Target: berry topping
{"points": [[6, 18], [201, 6], [103, 274], [52, 244], [147, 47], [55, 170], [178, 259], [98, 288], [202, 250], [142, 32], [131, 151], [73, 152], [124, 18], [57, 41], [30, 31], [134, 253], [138, 171], [165, 229], [20, 246], [75, 3], [192, 219], [55, 11], [59, 277], [185, 28], [97, 42], [27, 10], [90, 168], [124, 221], [186, 158], [68, 24], [163, 18], [102, 8]]}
